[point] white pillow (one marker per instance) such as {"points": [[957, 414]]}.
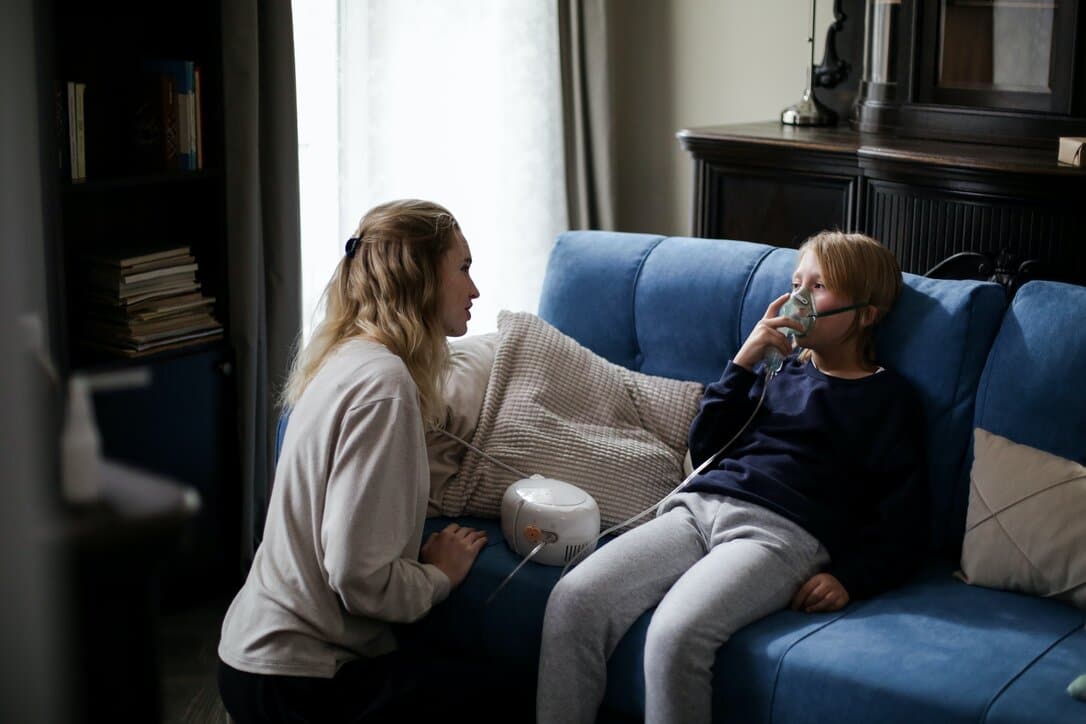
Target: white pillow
{"points": [[470, 360], [1026, 526]]}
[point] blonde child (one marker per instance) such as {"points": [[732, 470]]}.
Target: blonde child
{"points": [[817, 502]]}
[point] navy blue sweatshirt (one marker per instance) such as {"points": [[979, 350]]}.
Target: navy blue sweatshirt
{"points": [[844, 459]]}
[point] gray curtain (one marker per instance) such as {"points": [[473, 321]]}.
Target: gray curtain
{"points": [[264, 231], [587, 114]]}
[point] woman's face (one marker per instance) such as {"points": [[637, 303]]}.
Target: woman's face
{"points": [[457, 288]]}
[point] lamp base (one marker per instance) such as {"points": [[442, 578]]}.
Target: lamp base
{"points": [[808, 112]]}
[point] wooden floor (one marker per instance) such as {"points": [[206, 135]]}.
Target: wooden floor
{"points": [[188, 641]]}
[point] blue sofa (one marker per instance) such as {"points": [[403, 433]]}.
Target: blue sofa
{"points": [[936, 649]]}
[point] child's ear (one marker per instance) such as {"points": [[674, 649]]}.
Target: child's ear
{"points": [[868, 315]]}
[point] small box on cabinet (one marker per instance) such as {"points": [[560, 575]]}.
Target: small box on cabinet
{"points": [[1071, 150]]}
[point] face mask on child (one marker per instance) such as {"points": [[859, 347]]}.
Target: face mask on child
{"points": [[800, 306]]}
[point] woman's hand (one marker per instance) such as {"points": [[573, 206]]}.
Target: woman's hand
{"points": [[767, 334], [453, 550], [822, 592]]}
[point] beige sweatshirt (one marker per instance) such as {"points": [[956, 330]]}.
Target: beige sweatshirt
{"points": [[339, 558]]}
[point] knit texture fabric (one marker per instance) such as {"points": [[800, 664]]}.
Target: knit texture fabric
{"points": [[555, 408]]}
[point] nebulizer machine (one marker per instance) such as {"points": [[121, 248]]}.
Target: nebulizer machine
{"points": [[557, 523]]}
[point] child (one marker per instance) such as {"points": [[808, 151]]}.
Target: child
{"points": [[818, 501], [309, 636]]}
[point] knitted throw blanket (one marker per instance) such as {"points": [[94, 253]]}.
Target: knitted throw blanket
{"points": [[555, 408]]}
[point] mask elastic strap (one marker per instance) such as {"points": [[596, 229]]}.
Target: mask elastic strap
{"points": [[839, 310]]}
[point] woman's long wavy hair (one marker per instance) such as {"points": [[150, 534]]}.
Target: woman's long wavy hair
{"points": [[389, 292], [861, 269]]}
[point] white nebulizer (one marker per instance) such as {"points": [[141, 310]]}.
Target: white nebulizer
{"points": [[800, 307]]}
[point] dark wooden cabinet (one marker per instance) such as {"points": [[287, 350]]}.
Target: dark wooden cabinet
{"points": [[925, 200], [985, 71]]}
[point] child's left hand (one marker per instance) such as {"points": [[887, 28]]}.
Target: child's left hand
{"points": [[822, 592]]}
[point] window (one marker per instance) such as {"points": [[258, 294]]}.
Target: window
{"points": [[455, 102]]}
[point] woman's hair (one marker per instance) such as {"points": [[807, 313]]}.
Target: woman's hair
{"points": [[389, 291], [862, 270]]}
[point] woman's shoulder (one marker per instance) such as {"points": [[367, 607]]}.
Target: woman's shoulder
{"points": [[367, 371]]}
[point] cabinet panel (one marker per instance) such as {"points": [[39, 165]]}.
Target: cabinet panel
{"points": [[924, 225], [924, 200], [774, 208]]}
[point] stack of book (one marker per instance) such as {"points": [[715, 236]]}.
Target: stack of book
{"points": [[143, 301]]}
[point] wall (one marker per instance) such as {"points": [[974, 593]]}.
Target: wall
{"points": [[688, 63], [30, 689]]}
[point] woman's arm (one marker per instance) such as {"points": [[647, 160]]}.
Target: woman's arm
{"points": [[374, 509]]}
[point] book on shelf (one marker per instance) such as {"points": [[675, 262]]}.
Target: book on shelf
{"points": [[198, 93], [182, 73], [132, 255], [139, 298], [136, 350], [76, 131], [63, 137], [120, 280]]}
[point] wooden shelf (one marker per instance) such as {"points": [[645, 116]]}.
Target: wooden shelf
{"points": [[140, 181]]}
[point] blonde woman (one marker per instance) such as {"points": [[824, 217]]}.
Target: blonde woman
{"points": [[309, 636]]}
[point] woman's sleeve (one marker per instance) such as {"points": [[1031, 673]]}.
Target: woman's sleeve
{"points": [[725, 406], [372, 520]]}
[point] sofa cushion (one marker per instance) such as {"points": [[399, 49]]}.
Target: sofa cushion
{"points": [[888, 660], [588, 290], [1026, 526], [1029, 392], [557, 409]]}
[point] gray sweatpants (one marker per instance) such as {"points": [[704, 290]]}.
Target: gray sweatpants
{"points": [[711, 564]]}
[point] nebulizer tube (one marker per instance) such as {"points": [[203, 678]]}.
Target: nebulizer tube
{"points": [[675, 491]]}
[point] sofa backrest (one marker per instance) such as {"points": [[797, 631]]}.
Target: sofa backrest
{"points": [[1030, 391], [681, 307]]}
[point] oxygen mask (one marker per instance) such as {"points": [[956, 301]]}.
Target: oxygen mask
{"points": [[800, 307]]}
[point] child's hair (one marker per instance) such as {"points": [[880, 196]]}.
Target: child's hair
{"points": [[862, 270], [389, 291]]}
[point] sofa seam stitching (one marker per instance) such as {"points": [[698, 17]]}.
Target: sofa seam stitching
{"points": [[987, 710], [633, 299], [780, 662], [746, 289]]}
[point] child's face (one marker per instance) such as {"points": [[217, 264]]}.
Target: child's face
{"points": [[830, 332]]}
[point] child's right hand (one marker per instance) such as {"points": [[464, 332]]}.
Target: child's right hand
{"points": [[767, 334], [453, 550]]}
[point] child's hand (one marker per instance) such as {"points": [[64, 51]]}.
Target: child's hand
{"points": [[822, 592], [767, 334]]}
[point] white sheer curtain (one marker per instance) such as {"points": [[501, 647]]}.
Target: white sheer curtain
{"points": [[454, 101]]}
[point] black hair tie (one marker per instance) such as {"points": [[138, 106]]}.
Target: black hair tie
{"points": [[352, 246]]}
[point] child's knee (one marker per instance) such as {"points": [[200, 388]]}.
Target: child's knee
{"points": [[572, 601]]}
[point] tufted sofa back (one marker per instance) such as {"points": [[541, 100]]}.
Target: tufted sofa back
{"points": [[681, 307]]}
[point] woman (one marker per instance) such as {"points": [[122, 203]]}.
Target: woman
{"points": [[309, 636]]}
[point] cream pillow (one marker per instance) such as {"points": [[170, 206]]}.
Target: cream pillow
{"points": [[470, 360], [555, 408], [1026, 526]]}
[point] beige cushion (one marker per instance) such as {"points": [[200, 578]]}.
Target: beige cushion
{"points": [[555, 408], [1026, 526], [470, 360]]}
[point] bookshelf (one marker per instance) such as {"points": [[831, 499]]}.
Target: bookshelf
{"points": [[149, 174]]}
